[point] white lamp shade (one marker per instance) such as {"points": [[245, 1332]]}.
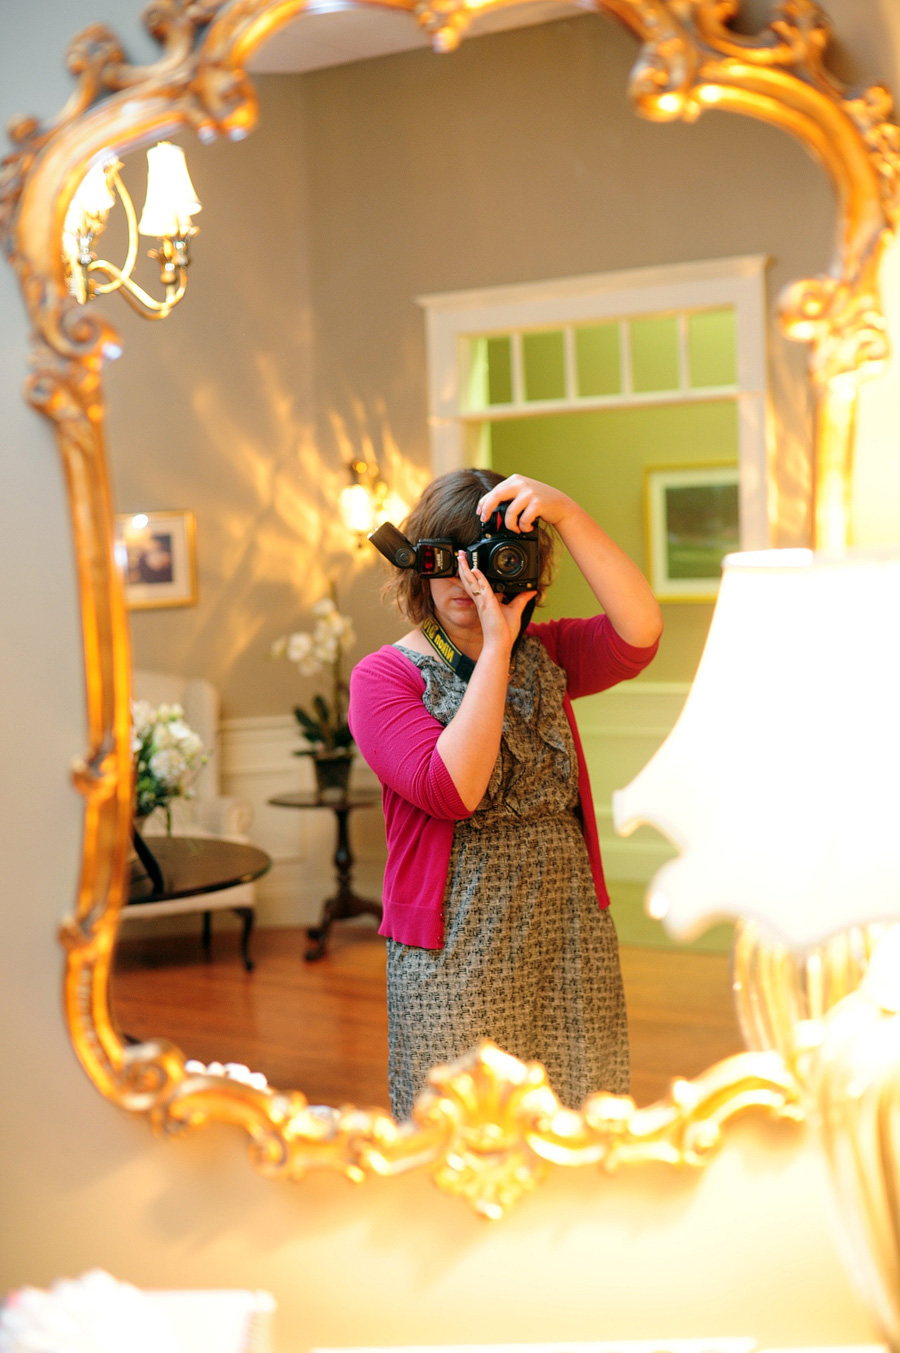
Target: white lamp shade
{"points": [[780, 782], [92, 201], [357, 509], [171, 200]]}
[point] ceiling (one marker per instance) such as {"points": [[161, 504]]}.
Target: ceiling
{"points": [[335, 32]]}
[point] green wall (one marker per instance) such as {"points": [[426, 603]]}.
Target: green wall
{"points": [[599, 457]]}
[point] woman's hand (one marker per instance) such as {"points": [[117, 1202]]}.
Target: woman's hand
{"points": [[500, 623], [469, 744], [614, 579], [528, 499]]}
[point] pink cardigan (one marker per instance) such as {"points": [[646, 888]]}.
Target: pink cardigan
{"points": [[397, 736]]}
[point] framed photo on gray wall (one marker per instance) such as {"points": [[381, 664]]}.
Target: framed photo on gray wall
{"points": [[691, 521], [156, 552]]}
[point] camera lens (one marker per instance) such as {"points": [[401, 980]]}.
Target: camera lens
{"points": [[508, 561]]}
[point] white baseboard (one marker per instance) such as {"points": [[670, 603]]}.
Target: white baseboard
{"points": [[258, 763]]}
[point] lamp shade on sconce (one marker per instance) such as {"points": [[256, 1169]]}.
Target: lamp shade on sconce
{"points": [[93, 199], [357, 508], [171, 200], [780, 782]]}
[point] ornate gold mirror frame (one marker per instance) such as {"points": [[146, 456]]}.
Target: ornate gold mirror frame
{"points": [[488, 1126]]}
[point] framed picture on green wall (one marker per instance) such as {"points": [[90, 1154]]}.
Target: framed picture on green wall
{"points": [[691, 521]]}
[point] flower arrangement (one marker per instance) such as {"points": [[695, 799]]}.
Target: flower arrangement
{"points": [[324, 725], [167, 755]]}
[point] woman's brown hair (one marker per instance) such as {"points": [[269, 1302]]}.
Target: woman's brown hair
{"points": [[446, 511]]}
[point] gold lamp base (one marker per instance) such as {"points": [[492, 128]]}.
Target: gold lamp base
{"points": [[856, 1083], [834, 1015]]}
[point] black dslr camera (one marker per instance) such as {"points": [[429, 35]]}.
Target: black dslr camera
{"points": [[508, 559]]}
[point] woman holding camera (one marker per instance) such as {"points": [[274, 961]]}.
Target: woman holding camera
{"points": [[495, 907]]}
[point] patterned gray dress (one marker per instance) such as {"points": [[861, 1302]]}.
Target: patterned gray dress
{"points": [[529, 959]]}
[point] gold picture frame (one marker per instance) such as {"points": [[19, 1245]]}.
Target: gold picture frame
{"points": [[488, 1127], [691, 521], [157, 554]]}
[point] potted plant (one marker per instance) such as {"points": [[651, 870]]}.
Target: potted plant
{"points": [[324, 722]]}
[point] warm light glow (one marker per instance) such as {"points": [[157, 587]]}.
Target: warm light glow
{"points": [[171, 200], [657, 907], [140, 520], [779, 782], [393, 509], [357, 509], [669, 103]]}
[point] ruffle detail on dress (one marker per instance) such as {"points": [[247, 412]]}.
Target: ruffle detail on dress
{"points": [[534, 706], [534, 714]]}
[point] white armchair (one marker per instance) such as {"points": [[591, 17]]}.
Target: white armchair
{"points": [[207, 813]]}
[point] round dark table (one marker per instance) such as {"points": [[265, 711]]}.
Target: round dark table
{"points": [[345, 903], [189, 865]]}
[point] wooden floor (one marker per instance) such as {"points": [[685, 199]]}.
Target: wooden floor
{"points": [[322, 1027]]}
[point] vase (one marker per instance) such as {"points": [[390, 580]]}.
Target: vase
{"points": [[143, 856], [332, 776]]}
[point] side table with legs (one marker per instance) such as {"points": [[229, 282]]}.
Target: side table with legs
{"points": [[345, 903], [193, 873]]}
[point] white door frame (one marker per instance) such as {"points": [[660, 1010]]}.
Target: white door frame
{"points": [[738, 282]]}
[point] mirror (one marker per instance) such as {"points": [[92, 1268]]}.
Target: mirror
{"points": [[535, 176], [151, 1077]]}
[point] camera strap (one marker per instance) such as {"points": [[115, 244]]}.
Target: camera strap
{"points": [[445, 648]]}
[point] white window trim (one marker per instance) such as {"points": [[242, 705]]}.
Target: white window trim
{"points": [[738, 282]]}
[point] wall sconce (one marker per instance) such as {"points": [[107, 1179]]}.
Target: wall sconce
{"points": [[170, 203], [780, 785], [366, 502]]}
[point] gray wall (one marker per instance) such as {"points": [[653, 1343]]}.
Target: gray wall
{"points": [[517, 158]]}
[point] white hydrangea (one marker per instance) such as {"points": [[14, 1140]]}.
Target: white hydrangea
{"points": [[169, 766], [142, 717], [167, 753]]}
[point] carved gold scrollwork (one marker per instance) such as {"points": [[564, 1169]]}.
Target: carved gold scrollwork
{"points": [[489, 1126], [780, 77]]}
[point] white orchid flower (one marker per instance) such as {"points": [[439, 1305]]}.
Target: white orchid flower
{"points": [[319, 651], [325, 649], [298, 646]]}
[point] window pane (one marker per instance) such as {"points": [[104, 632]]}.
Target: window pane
{"points": [[712, 348], [499, 364], [487, 372], [598, 363], [545, 365], [654, 353]]}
